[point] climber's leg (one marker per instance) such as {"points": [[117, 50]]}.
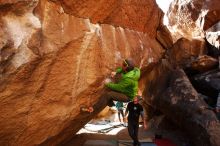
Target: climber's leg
{"points": [[108, 97], [117, 96]]}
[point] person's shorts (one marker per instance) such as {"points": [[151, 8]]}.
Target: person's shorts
{"points": [[120, 109]]}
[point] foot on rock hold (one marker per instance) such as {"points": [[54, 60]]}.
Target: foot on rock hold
{"points": [[87, 109]]}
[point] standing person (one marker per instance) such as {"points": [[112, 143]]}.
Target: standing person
{"points": [[120, 107], [134, 110]]}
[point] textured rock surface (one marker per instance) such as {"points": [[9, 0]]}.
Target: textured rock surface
{"points": [[171, 92], [55, 55], [208, 84], [52, 63], [185, 51], [204, 63], [213, 35], [164, 36], [140, 15], [190, 18], [18, 24], [209, 79], [201, 125]]}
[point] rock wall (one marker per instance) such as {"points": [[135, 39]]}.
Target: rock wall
{"points": [[191, 18], [140, 15], [55, 56], [169, 90]]}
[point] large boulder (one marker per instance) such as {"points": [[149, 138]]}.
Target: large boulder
{"points": [[56, 62], [170, 91]]}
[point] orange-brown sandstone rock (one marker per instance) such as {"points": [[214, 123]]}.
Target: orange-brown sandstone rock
{"points": [[184, 51], [164, 36], [56, 54], [56, 62], [140, 15]]}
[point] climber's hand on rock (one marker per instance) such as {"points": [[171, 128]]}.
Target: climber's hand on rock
{"points": [[106, 81]]}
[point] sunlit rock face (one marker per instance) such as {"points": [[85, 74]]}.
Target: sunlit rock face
{"points": [[140, 15], [213, 35], [190, 18], [18, 25], [54, 60]]}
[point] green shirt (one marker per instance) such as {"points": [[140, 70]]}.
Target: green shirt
{"points": [[128, 83]]}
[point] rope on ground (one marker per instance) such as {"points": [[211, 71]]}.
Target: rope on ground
{"points": [[104, 130]]}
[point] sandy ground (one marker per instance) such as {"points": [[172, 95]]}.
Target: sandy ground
{"points": [[122, 134], [156, 126]]}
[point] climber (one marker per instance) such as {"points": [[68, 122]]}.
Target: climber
{"points": [[123, 89], [126, 86]]}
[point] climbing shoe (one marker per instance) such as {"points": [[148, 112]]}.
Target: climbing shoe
{"points": [[87, 109]]}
